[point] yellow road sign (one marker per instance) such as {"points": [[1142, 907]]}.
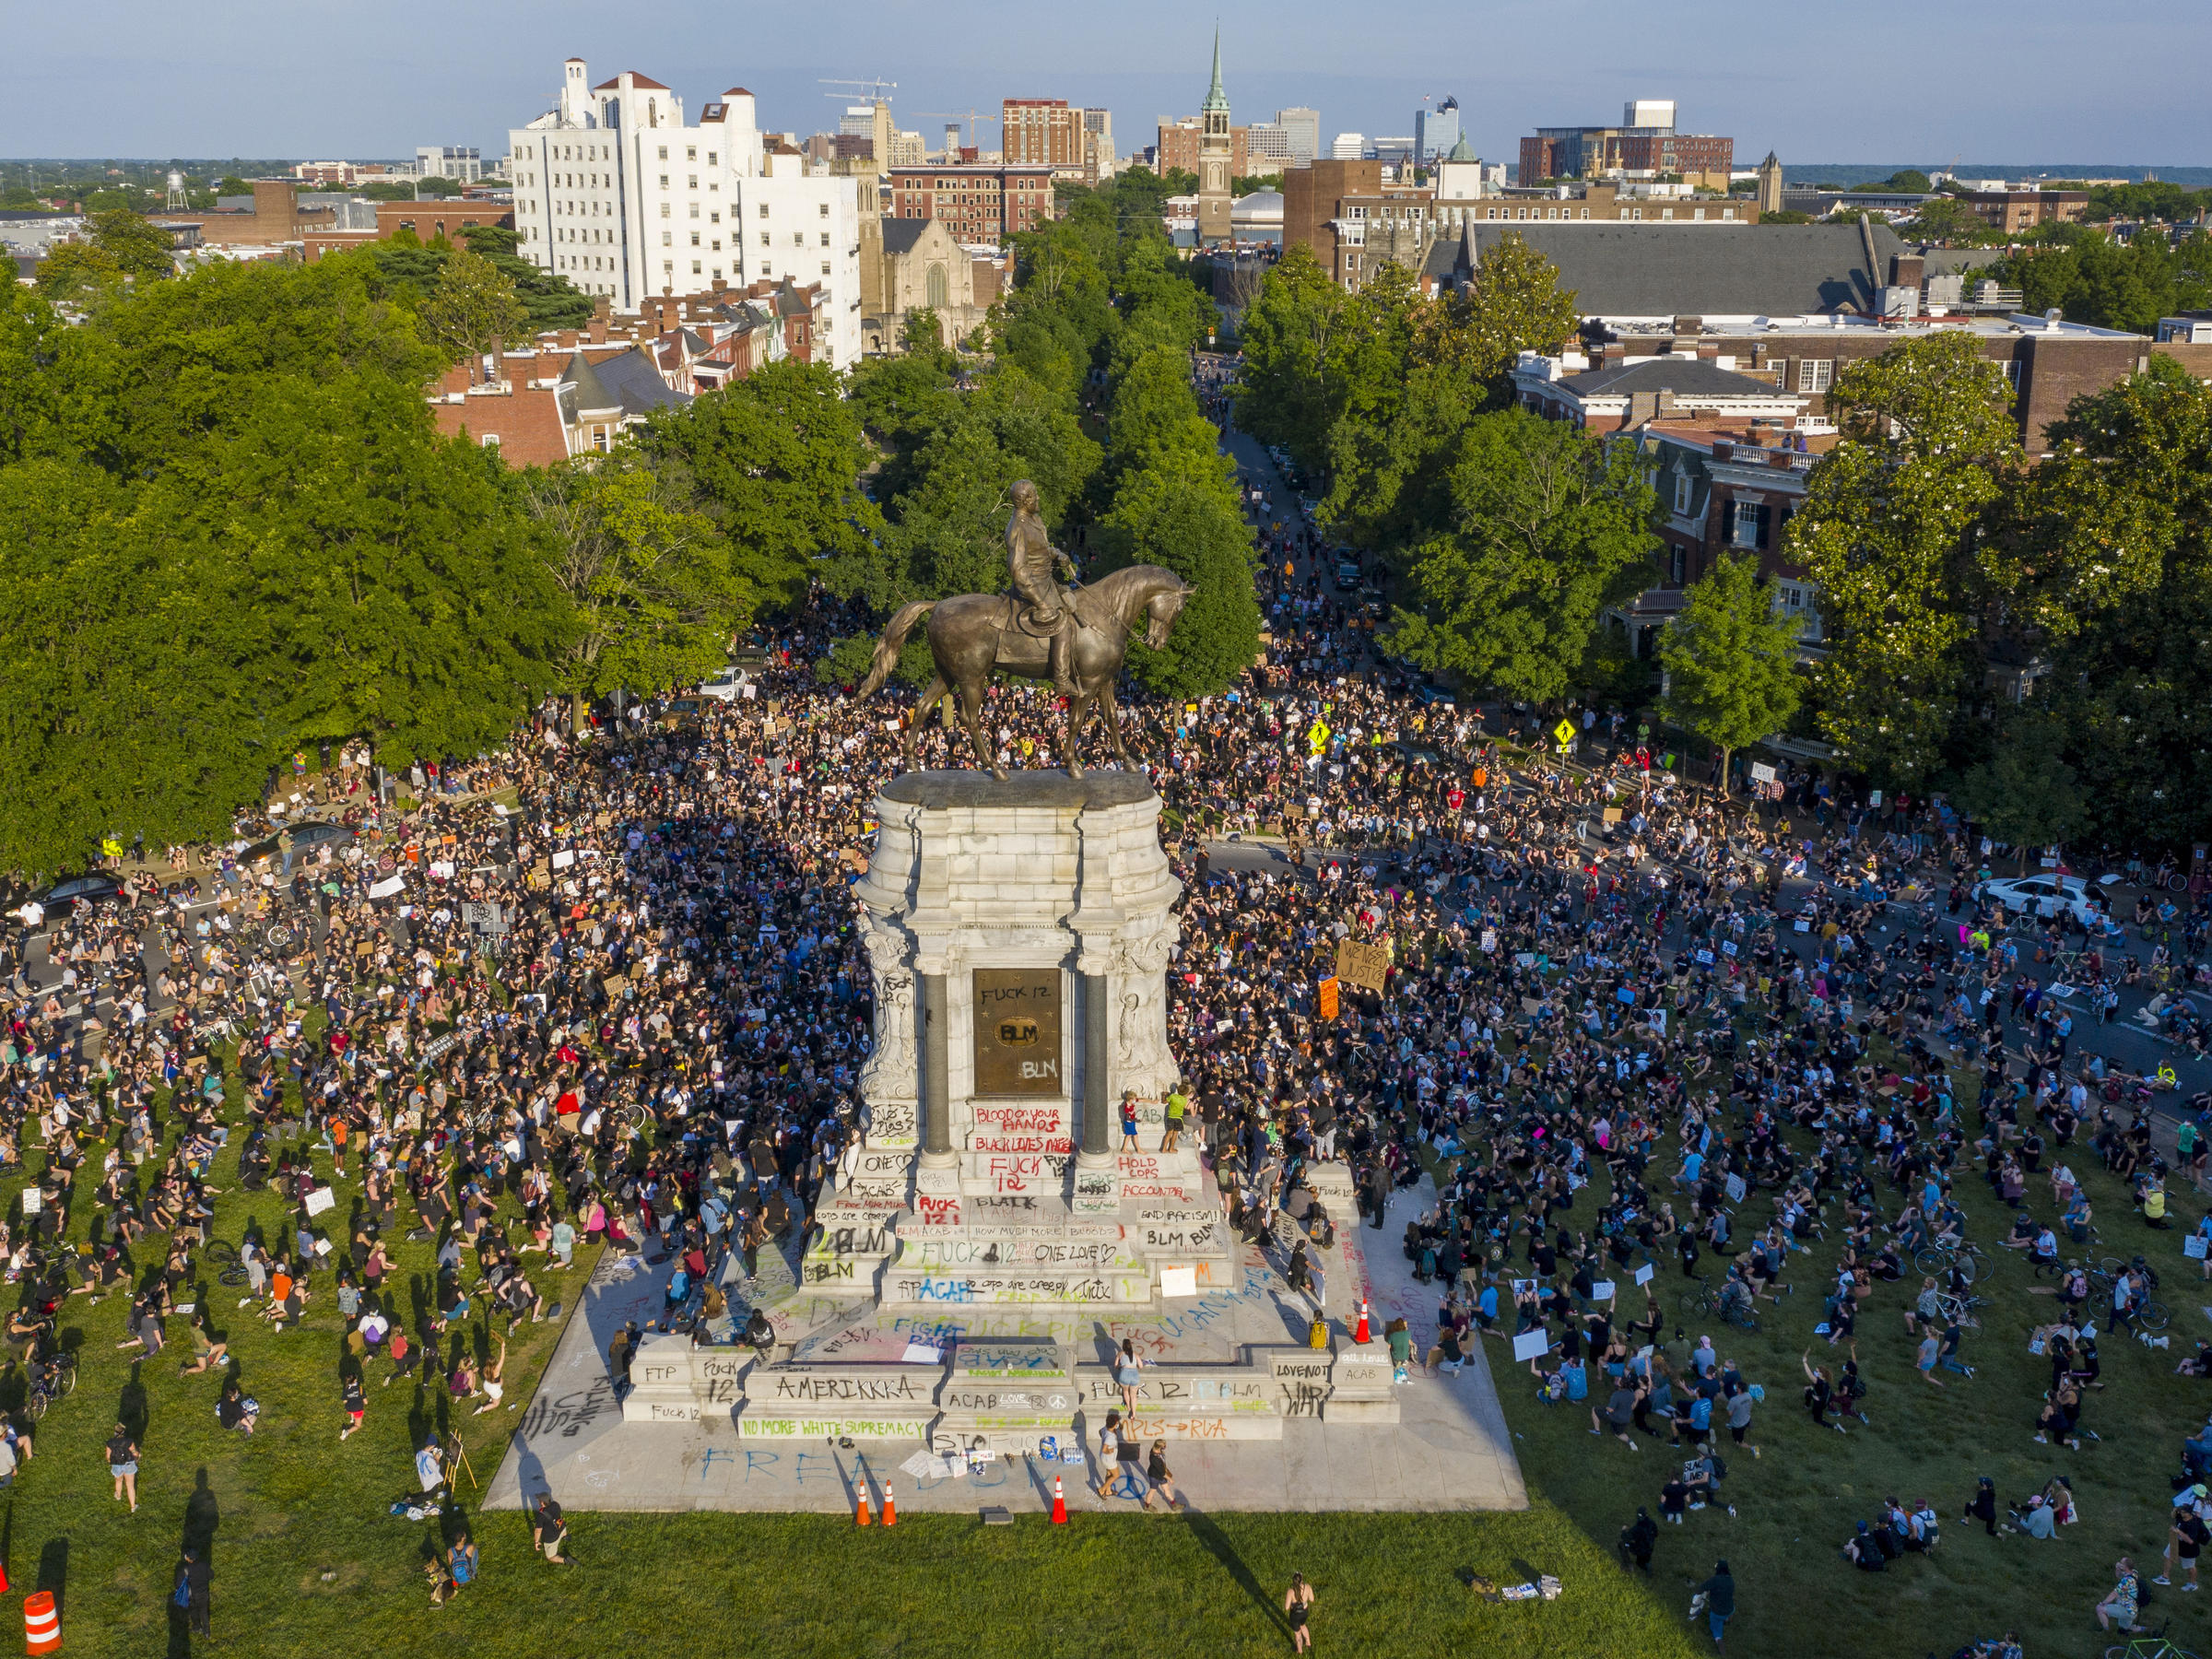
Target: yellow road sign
{"points": [[1564, 732]]}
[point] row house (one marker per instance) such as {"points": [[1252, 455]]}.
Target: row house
{"points": [[1727, 451], [575, 393]]}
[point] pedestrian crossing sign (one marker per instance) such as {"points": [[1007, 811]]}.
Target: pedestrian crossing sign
{"points": [[1564, 732]]}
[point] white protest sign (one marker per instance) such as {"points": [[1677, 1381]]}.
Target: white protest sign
{"points": [[1179, 1281], [321, 1199], [1643, 1274], [1735, 1189], [386, 887], [1602, 1290], [1531, 1345]]}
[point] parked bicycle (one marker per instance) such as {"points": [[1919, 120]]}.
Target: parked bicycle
{"points": [[1969, 1259], [1736, 1310]]}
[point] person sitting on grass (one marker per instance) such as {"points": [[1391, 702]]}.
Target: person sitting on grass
{"points": [[206, 1353], [2117, 1610], [235, 1410]]}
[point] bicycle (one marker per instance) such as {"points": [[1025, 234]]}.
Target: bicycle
{"points": [[1962, 1310], [1705, 1299], [49, 1383], [2149, 1645], [1969, 1259]]}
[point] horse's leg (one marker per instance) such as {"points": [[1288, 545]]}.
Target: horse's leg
{"points": [[913, 730], [1112, 714], [972, 710], [1078, 716]]}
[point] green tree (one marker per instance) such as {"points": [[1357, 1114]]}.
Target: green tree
{"points": [[471, 307], [75, 271], [141, 251], [1732, 677], [777, 459], [1295, 335], [1179, 509], [1549, 526], [2025, 794], [1513, 303], [1891, 529], [648, 575], [2106, 567]]}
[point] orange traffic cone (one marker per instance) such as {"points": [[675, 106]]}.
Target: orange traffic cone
{"points": [[1059, 1503], [890, 1506], [1360, 1335], [861, 1516]]}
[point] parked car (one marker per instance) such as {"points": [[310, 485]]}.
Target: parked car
{"points": [[725, 685], [60, 898], [297, 840], [1348, 574], [2046, 895]]}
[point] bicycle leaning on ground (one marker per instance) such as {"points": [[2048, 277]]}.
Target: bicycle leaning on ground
{"points": [[2150, 1645]]}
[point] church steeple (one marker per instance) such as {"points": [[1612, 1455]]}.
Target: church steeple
{"points": [[1215, 97]]}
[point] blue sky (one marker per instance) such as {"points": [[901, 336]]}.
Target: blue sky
{"points": [[2026, 81]]}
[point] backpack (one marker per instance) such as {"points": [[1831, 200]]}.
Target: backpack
{"points": [[1318, 1338]]}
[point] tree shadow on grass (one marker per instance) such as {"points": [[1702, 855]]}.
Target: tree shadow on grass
{"points": [[1218, 1545]]}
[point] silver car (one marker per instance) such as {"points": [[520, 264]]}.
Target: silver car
{"points": [[2046, 895]]}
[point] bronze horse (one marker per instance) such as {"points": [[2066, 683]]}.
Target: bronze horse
{"points": [[972, 634]]}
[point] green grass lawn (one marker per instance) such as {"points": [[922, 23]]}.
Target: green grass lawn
{"points": [[1797, 1502], [308, 1560]]}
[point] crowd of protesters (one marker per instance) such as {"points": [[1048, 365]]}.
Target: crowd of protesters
{"points": [[1639, 1041]]}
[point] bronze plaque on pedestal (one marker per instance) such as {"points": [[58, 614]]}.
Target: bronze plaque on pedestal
{"points": [[1017, 1032]]}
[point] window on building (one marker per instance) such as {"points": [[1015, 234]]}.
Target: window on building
{"points": [[711, 161], [825, 210], [664, 209], [667, 238], [1681, 492], [1677, 565], [1816, 374], [695, 267], [825, 267], [664, 157], [691, 181], [764, 239], [1727, 213], [663, 180], [764, 210], [690, 152], [489, 441], [695, 239]]}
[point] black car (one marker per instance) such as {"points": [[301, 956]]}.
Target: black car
{"points": [[69, 892], [296, 840]]}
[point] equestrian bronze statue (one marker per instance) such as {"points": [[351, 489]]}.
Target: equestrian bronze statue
{"points": [[1073, 638]]}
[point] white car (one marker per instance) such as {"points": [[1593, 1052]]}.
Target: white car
{"points": [[726, 685], [2044, 895]]}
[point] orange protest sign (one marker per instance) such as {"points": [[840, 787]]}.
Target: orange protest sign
{"points": [[1328, 998]]}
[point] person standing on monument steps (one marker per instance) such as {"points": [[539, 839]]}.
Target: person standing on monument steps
{"points": [[1128, 1373], [1033, 565]]}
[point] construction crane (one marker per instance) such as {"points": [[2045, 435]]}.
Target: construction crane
{"points": [[878, 89], [969, 116]]}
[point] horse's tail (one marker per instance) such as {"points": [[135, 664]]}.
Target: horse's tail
{"points": [[892, 642]]}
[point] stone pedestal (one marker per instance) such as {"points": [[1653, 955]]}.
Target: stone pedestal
{"points": [[1021, 934]]}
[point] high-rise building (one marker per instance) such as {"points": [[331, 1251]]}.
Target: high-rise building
{"points": [[1181, 142], [1075, 143], [615, 191], [1435, 132], [1646, 146], [1348, 147], [1215, 155]]}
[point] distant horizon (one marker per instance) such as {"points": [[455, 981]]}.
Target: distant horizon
{"points": [[235, 76], [1812, 172]]}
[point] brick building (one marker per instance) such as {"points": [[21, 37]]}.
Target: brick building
{"points": [[978, 205], [275, 218], [1645, 144], [1182, 142], [2016, 210], [428, 220]]}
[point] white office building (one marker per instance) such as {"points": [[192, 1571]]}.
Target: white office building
{"points": [[615, 191], [460, 163]]}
